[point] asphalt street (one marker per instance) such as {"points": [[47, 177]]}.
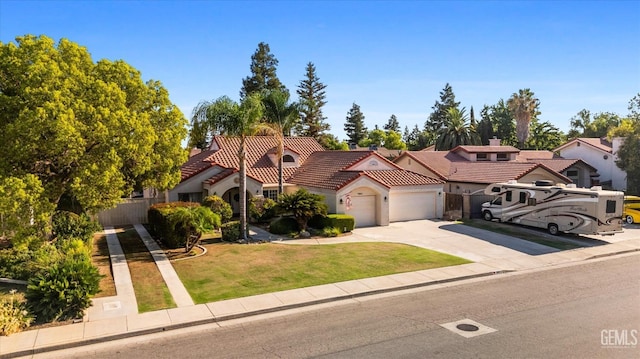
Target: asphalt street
{"points": [[586, 310]]}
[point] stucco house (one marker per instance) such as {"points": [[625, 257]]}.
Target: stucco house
{"points": [[601, 154], [360, 183], [468, 169]]}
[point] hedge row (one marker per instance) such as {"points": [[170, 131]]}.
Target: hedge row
{"points": [[343, 222], [160, 225]]}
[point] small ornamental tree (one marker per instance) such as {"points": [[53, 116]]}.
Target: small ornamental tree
{"points": [[302, 205], [192, 222]]}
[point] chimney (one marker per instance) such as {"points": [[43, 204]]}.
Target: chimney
{"points": [[494, 141]]}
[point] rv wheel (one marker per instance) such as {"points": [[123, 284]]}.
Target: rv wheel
{"points": [[487, 216], [553, 229]]}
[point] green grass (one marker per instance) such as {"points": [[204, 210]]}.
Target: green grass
{"points": [[149, 286], [231, 270], [515, 231]]}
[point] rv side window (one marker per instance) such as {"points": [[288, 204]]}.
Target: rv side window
{"points": [[508, 196], [495, 189], [532, 202], [523, 197], [611, 206]]}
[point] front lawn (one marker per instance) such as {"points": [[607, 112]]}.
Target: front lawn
{"points": [[232, 270]]}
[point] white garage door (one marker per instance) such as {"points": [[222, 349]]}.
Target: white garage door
{"points": [[412, 206], [363, 209]]}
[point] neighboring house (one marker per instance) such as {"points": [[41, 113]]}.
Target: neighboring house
{"points": [[361, 183], [601, 154], [467, 169], [581, 173], [383, 151]]}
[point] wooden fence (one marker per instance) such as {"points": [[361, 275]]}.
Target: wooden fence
{"points": [[129, 211]]}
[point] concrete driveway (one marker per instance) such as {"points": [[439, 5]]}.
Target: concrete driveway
{"points": [[447, 237]]}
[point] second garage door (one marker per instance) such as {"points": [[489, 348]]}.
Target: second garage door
{"points": [[412, 206], [363, 209]]}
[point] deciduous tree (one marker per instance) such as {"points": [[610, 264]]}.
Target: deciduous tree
{"points": [[90, 131]]}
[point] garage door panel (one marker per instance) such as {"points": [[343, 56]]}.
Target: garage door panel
{"points": [[363, 209], [412, 206]]}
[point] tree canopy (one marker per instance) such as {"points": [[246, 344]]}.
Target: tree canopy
{"points": [[90, 131], [263, 73], [523, 105], [312, 96], [354, 125]]}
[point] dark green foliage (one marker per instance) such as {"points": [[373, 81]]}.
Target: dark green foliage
{"points": [[331, 232], [219, 206], [63, 291], [22, 263], [230, 231], [262, 209], [68, 224], [438, 118], [629, 161], [302, 205], [312, 98], [263, 73], [189, 223], [284, 225], [344, 222], [354, 125], [392, 124], [160, 225]]}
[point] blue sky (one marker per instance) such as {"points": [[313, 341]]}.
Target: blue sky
{"points": [[388, 57]]}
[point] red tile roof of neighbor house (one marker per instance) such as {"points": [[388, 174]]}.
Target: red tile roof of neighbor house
{"points": [[195, 164], [525, 155], [599, 143], [453, 167], [328, 170], [486, 149], [561, 164]]}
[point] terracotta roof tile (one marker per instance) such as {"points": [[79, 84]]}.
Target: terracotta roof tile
{"points": [[525, 155], [486, 149], [327, 170], [195, 164]]}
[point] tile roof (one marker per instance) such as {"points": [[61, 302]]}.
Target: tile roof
{"points": [[599, 143], [195, 164], [525, 155], [561, 164], [259, 165], [486, 149], [452, 167], [327, 170]]}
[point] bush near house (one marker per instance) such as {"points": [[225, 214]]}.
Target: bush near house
{"points": [[262, 209], [302, 205], [230, 231], [161, 226], [219, 206], [284, 225], [343, 222]]}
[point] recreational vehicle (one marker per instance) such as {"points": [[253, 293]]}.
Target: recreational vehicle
{"points": [[557, 208]]}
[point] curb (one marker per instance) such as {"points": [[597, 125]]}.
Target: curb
{"points": [[85, 342]]}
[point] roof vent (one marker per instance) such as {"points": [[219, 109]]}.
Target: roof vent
{"points": [[373, 147], [352, 146], [596, 188]]}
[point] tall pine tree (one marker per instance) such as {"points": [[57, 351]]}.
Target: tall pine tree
{"points": [[312, 96], [392, 124], [354, 126], [263, 73], [438, 118]]}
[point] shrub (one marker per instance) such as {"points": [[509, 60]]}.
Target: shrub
{"points": [[344, 222], [230, 231], [23, 263], [262, 209], [68, 224], [331, 232], [284, 225], [189, 223], [219, 206], [160, 225], [303, 205], [14, 316], [63, 291]]}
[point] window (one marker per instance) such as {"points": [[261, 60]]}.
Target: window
{"points": [[190, 197], [611, 206], [482, 157], [502, 157], [288, 159], [495, 189], [532, 202], [523, 197], [572, 173], [508, 196], [270, 193]]}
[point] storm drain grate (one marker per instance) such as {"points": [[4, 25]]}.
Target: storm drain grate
{"points": [[468, 328]]}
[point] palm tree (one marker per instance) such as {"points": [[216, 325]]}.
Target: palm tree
{"points": [[457, 131], [281, 116], [523, 106], [236, 120]]}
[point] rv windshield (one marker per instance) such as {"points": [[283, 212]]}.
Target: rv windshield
{"points": [[497, 201]]}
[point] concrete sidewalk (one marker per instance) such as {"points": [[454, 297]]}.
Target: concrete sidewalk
{"points": [[97, 330]]}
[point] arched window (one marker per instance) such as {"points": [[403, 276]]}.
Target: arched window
{"points": [[288, 158]]}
